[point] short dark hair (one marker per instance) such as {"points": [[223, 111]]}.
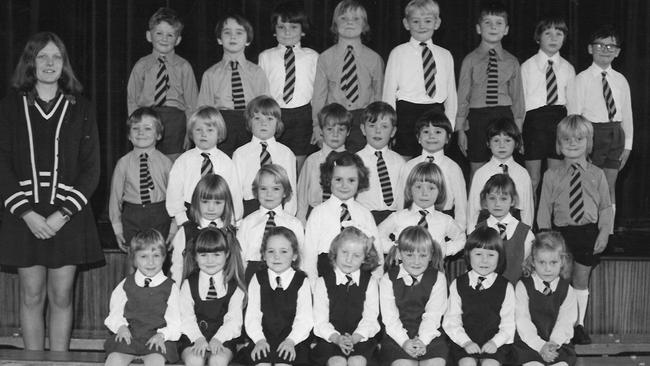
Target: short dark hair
{"points": [[504, 126], [168, 16], [550, 22], [267, 106], [435, 119], [239, 20], [335, 114], [492, 7], [286, 233], [605, 31], [290, 12], [343, 158], [501, 183], [375, 110], [485, 237], [24, 77], [142, 112]]}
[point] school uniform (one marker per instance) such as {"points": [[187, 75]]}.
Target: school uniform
{"points": [[309, 190], [455, 187], [327, 85], [276, 314], [405, 90], [480, 316], [443, 229], [544, 318], [611, 136], [180, 96], [324, 224], [247, 162], [472, 91], [186, 234], [220, 318], [373, 198], [412, 308], [554, 202], [517, 243], [126, 209], [216, 91], [186, 173], [49, 161], [146, 311], [345, 308], [296, 112], [251, 232], [524, 209], [542, 115]]}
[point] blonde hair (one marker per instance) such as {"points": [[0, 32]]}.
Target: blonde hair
{"points": [[210, 116], [430, 173], [353, 234], [551, 241], [351, 6], [416, 238], [428, 6], [574, 125], [280, 174]]}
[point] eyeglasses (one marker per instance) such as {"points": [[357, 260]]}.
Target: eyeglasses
{"points": [[607, 47]]}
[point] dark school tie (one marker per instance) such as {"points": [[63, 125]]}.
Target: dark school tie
{"points": [[290, 74], [547, 288], [146, 182], [551, 84], [349, 79], [502, 231], [237, 87], [504, 168], [265, 157], [212, 291], [349, 282], [430, 158], [576, 205], [345, 214], [479, 284], [384, 179], [492, 91], [423, 219], [278, 282], [147, 282], [162, 83], [429, 69], [414, 281], [270, 222], [609, 98], [206, 165]]}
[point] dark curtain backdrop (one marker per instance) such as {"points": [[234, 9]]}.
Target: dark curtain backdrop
{"points": [[105, 38]]}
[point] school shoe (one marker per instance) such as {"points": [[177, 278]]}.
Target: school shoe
{"points": [[580, 336]]}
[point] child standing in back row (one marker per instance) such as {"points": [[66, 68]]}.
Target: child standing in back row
{"points": [[291, 70], [419, 75], [489, 86], [348, 73], [165, 81]]}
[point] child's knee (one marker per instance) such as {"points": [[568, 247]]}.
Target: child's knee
{"points": [[357, 361], [337, 361], [467, 361]]}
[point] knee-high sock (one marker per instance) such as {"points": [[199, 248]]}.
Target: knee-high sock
{"points": [[583, 299], [611, 229]]}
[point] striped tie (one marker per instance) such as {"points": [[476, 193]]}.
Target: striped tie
{"points": [[551, 84], [270, 222], [492, 91], [414, 281], [146, 183], [504, 168], [212, 224], [547, 288], [290, 74], [430, 159], [265, 157], [609, 98], [423, 219], [278, 282], [429, 68], [237, 87], [162, 83], [345, 214], [212, 291], [349, 80], [479, 283], [147, 282], [350, 281], [502, 231], [576, 206], [206, 165], [384, 179]]}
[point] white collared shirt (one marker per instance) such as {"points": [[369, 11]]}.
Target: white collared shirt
{"points": [[511, 225], [523, 185], [247, 162], [533, 78], [368, 325], [186, 173], [251, 231], [404, 78], [433, 310], [373, 197], [303, 321], [272, 62], [232, 321], [562, 330]]}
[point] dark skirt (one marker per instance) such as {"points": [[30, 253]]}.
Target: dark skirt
{"points": [[325, 350], [302, 354], [184, 343], [391, 351], [138, 348], [502, 354], [521, 353]]}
